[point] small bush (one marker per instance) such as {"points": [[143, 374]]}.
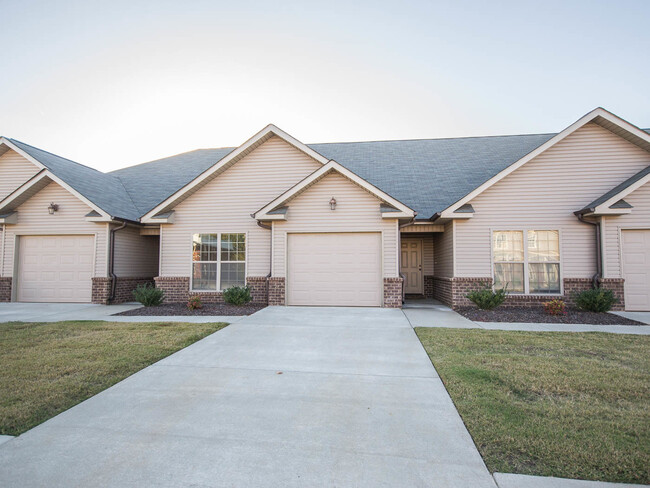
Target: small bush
{"points": [[597, 300], [486, 299], [148, 295], [555, 307], [237, 295], [194, 302]]}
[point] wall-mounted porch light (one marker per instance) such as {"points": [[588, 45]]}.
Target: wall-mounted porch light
{"points": [[333, 203], [54, 207]]}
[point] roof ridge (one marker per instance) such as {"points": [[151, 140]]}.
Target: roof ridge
{"points": [[434, 138], [55, 155]]}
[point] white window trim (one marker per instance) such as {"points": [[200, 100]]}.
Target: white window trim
{"points": [[219, 262], [525, 230]]}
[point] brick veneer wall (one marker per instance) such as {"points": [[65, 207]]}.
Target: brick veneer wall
{"points": [[276, 291], [462, 286], [393, 292], [124, 288], [176, 288], [101, 290], [442, 289], [428, 286], [5, 289], [259, 286]]}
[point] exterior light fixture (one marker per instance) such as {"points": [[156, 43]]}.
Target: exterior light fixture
{"points": [[54, 207], [333, 203]]}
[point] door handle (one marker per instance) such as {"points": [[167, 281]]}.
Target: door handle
{"points": [[420, 267]]}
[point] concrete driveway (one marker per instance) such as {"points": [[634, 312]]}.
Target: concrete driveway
{"points": [[287, 397]]}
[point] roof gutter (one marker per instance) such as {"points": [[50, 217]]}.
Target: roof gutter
{"points": [[111, 266], [595, 280]]}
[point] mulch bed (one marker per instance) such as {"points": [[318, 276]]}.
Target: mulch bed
{"points": [[208, 309], [539, 315]]}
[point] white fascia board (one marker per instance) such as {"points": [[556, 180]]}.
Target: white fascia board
{"points": [[599, 112], [603, 208], [262, 214], [11, 145], [269, 129]]}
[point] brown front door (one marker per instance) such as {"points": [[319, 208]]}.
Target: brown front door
{"points": [[411, 266]]}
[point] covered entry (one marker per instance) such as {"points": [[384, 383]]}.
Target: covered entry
{"points": [[334, 269], [57, 268]]}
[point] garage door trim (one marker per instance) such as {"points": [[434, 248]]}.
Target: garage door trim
{"points": [[311, 232]]}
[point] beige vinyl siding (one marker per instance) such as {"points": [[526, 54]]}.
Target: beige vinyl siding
{"points": [[33, 218], [14, 171], [226, 203], [544, 193], [443, 243], [638, 219], [356, 211], [136, 256]]}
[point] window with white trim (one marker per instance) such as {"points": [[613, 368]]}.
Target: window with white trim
{"points": [[218, 261], [530, 268]]}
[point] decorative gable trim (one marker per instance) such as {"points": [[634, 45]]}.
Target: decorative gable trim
{"points": [[599, 116], [234, 156], [393, 209]]}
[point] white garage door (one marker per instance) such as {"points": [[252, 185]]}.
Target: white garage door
{"points": [[334, 269], [636, 269], [55, 268]]}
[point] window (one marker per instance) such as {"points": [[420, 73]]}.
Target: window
{"points": [[218, 261], [534, 268]]}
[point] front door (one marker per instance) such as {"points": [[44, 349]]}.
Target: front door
{"points": [[411, 266]]}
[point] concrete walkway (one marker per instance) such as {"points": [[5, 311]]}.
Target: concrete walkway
{"points": [[508, 480], [55, 312], [286, 397], [431, 313]]}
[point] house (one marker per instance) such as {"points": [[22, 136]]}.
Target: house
{"points": [[355, 224]]}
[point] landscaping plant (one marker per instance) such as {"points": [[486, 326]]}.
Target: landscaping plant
{"points": [[555, 307], [148, 295], [194, 302], [237, 295], [486, 298], [597, 300]]}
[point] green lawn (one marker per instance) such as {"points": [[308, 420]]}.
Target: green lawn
{"points": [[551, 404], [46, 368]]}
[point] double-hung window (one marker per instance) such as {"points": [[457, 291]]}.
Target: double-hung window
{"points": [[218, 261], [530, 265]]}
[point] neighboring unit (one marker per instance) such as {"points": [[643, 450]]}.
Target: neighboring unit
{"points": [[349, 224]]}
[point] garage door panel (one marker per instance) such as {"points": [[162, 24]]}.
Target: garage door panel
{"points": [[334, 269], [55, 268], [636, 269]]}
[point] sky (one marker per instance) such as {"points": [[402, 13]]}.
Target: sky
{"points": [[111, 84]]}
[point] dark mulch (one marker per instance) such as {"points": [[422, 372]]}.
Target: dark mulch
{"points": [[539, 315], [208, 309]]}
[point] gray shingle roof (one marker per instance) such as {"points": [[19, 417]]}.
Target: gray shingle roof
{"points": [[429, 175], [153, 182], [104, 190], [617, 189]]}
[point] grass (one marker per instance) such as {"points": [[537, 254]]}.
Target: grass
{"points": [[47, 368], [551, 404]]}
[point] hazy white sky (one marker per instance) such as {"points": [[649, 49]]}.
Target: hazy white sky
{"points": [[110, 84]]}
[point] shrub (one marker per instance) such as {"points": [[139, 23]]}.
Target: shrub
{"points": [[555, 307], [237, 295], [597, 300], [148, 295], [486, 299], [194, 302]]}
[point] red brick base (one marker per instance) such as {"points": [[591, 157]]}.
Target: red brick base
{"points": [[259, 287], [428, 286], [276, 291], [177, 290], [393, 292], [101, 290], [453, 291], [5, 289]]}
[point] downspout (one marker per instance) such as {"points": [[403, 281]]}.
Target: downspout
{"points": [[111, 261], [399, 250], [595, 280]]}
